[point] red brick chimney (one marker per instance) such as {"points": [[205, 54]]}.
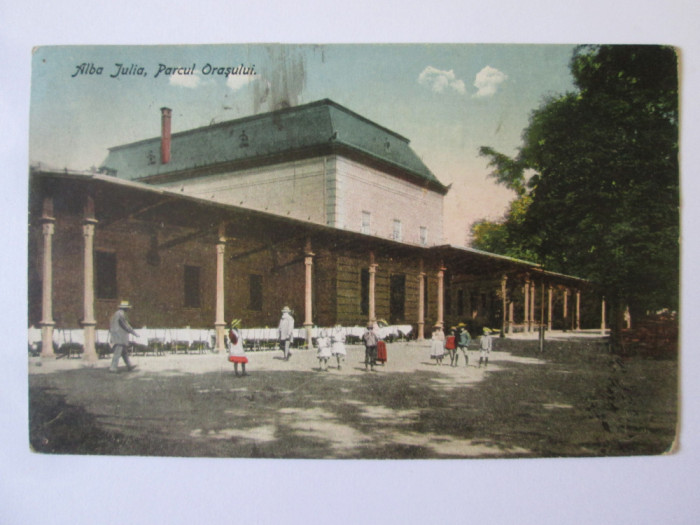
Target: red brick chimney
{"points": [[165, 135]]}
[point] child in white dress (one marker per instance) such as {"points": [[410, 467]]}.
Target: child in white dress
{"points": [[437, 345], [338, 343], [324, 349]]}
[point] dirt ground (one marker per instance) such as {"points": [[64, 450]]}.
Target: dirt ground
{"points": [[574, 399]]}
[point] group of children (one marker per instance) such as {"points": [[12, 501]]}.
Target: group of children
{"points": [[333, 345], [458, 340], [329, 345]]}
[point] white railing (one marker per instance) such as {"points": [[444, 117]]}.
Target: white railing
{"points": [[71, 341]]}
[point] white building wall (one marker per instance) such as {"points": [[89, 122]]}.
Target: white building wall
{"points": [[387, 198], [333, 191], [292, 189]]}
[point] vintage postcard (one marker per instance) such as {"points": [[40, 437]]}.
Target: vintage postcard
{"points": [[415, 251]]}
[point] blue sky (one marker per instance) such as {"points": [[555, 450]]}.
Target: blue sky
{"points": [[447, 99]]}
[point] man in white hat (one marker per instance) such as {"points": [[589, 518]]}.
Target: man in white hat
{"points": [[119, 330], [286, 332]]}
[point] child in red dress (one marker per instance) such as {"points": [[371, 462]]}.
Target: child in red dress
{"points": [[236, 353]]}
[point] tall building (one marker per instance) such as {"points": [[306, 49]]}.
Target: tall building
{"points": [[312, 207], [318, 162]]}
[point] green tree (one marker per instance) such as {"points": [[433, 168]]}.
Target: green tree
{"points": [[506, 236], [605, 190]]}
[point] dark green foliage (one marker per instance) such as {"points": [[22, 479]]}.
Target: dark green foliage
{"points": [[509, 236], [605, 193]]}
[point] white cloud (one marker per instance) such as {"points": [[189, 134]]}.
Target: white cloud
{"points": [[487, 81], [439, 80], [188, 81], [236, 82]]}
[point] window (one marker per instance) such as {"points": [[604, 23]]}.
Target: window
{"points": [[243, 140], [448, 294], [397, 298], [364, 291], [106, 275], [396, 234], [366, 222], [256, 292], [424, 236], [192, 287], [426, 298], [460, 302]]}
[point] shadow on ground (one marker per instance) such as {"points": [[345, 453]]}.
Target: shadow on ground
{"points": [[559, 404]]}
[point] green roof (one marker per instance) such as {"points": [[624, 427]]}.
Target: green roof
{"points": [[318, 128]]}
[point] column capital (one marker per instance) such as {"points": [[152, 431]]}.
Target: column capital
{"points": [[48, 227], [89, 228]]}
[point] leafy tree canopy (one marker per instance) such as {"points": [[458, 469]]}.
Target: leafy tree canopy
{"points": [[603, 202]]}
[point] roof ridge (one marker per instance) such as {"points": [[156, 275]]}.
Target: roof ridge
{"points": [[257, 116]]}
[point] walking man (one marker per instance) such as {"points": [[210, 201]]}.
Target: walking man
{"points": [[286, 332], [119, 330]]}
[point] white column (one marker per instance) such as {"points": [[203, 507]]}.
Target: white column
{"points": [[220, 322], [533, 312], [504, 305], [549, 307], [526, 305], [47, 322], [511, 319], [602, 317], [308, 306], [578, 309], [566, 309], [441, 296], [421, 304], [89, 322], [372, 283]]}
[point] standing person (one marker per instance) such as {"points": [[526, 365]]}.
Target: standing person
{"points": [[380, 356], [463, 340], [485, 346], [370, 339], [437, 345], [338, 343], [324, 349], [286, 332], [236, 351], [451, 345], [119, 330]]}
